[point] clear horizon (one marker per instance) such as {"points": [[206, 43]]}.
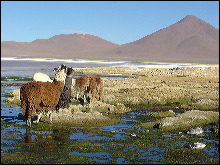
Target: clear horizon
{"points": [[119, 22]]}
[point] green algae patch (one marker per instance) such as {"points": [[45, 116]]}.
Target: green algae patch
{"points": [[202, 104], [169, 113], [184, 121], [33, 158], [183, 155]]}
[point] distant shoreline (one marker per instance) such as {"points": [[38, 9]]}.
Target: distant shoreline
{"points": [[83, 63], [55, 59]]}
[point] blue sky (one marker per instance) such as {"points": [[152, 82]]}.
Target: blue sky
{"points": [[117, 21]]}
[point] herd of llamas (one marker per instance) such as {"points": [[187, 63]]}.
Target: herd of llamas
{"points": [[43, 95]]}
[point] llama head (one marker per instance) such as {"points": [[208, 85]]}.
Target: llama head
{"points": [[59, 68], [70, 72], [61, 75]]}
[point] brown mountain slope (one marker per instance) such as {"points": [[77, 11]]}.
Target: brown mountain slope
{"points": [[188, 40], [74, 42], [59, 46]]}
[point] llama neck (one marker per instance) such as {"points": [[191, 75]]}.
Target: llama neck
{"points": [[73, 82], [68, 80], [59, 84]]}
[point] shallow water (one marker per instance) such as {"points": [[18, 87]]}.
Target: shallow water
{"points": [[122, 143]]}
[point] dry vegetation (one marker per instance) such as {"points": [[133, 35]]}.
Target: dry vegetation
{"points": [[191, 87], [184, 88]]}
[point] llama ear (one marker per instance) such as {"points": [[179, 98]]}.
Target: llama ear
{"points": [[63, 67], [55, 69]]}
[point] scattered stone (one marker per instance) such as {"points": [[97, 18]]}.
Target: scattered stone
{"points": [[197, 146], [215, 129], [196, 131], [134, 135]]}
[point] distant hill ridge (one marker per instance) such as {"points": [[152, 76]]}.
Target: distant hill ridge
{"points": [[188, 40]]}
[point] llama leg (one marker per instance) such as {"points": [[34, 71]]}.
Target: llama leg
{"points": [[28, 121], [77, 95], [85, 96], [50, 114], [100, 95], [77, 92], [93, 96], [38, 118], [29, 112]]}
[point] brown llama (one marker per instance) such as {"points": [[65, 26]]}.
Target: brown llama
{"points": [[38, 97]]}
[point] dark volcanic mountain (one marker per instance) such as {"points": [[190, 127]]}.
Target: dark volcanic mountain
{"points": [[189, 40]]}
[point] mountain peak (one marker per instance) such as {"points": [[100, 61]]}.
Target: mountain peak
{"points": [[190, 18]]}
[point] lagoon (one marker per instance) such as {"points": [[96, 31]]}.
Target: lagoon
{"points": [[113, 144]]}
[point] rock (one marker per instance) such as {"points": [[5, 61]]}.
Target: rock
{"points": [[134, 135], [185, 121], [196, 131], [169, 113], [15, 97], [215, 129], [87, 114], [21, 117], [197, 146]]}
